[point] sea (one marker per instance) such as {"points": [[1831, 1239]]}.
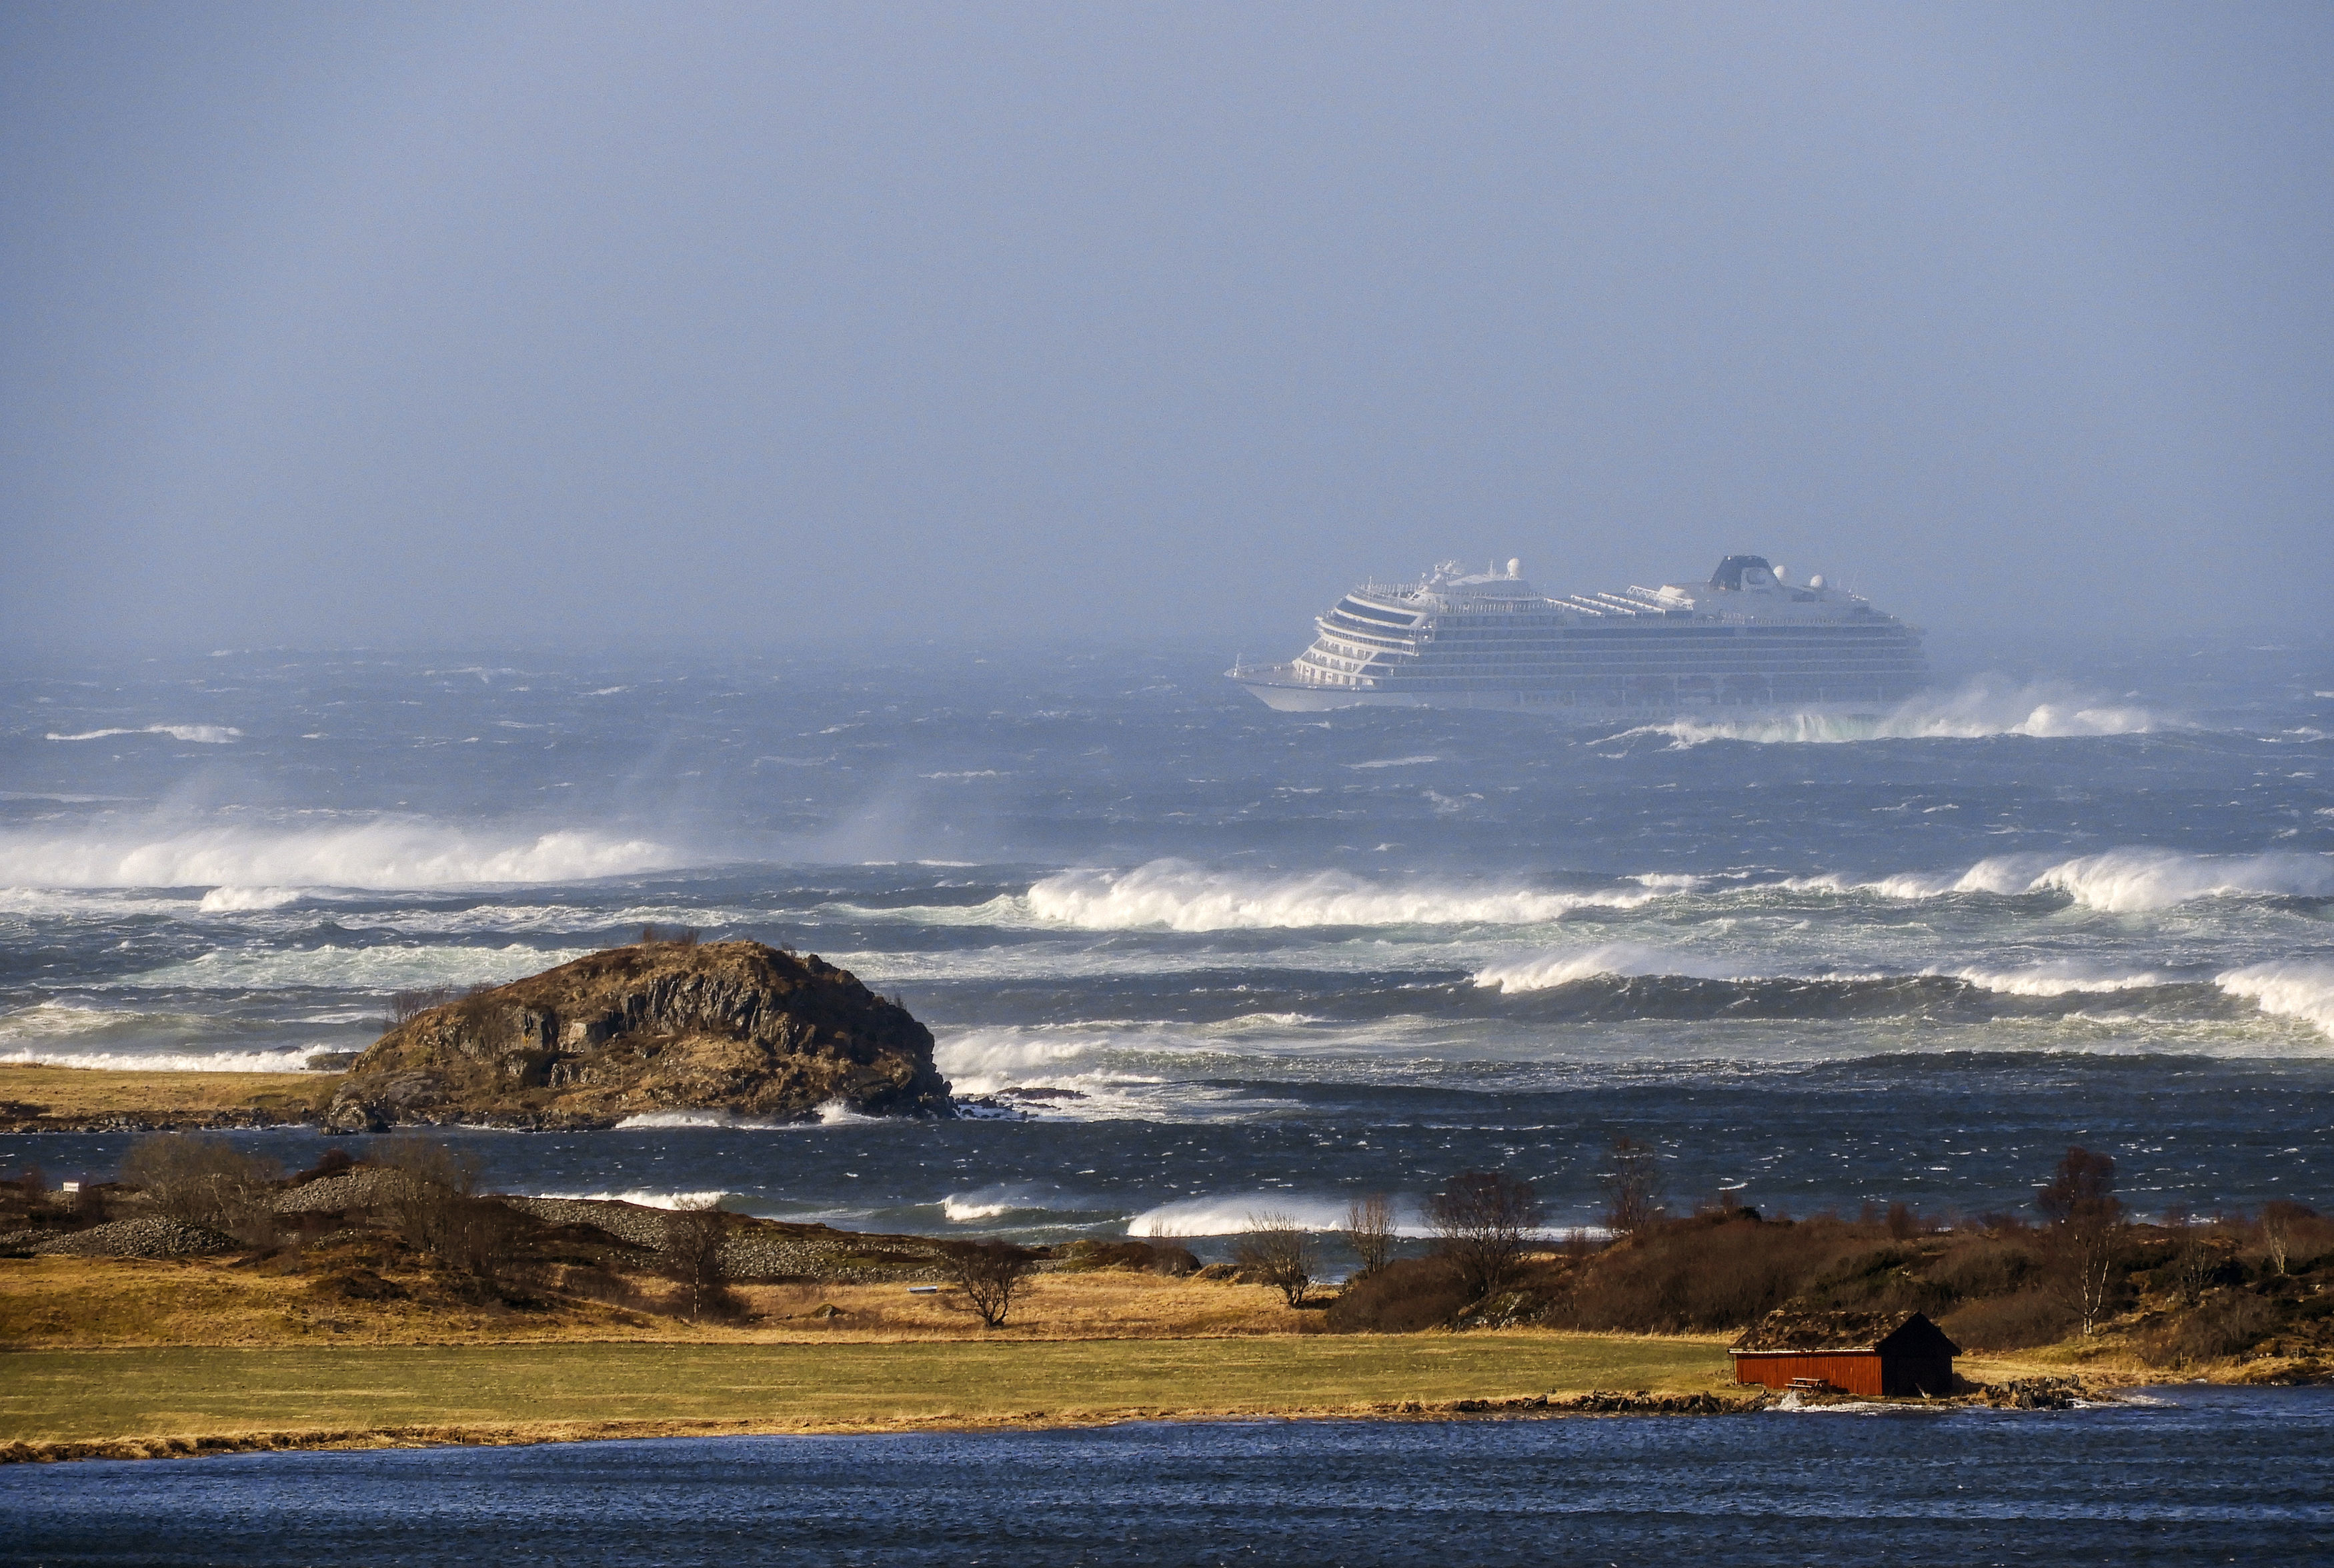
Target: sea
{"points": [[1204, 961], [2179, 1475]]}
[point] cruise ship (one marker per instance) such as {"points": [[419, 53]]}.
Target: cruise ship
{"points": [[1747, 640]]}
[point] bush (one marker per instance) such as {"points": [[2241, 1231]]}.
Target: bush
{"points": [[2012, 1322], [2226, 1326], [693, 1235], [991, 1274], [208, 1181], [1483, 1221], [1275, 1250], [1406, 1296]]}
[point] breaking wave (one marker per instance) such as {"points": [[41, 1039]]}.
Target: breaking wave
{"points": [[650, 1197], [200, 733], [382, 968], [1550, 970], [2304, 991], [1972, 713], [1179, 896], [2132, 880], [394, 853], [228, 901], [291, 1061]]}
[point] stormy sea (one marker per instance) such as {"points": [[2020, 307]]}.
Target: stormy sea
{"points": [[1197, 960]]}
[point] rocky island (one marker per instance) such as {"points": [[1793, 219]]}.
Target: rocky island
{"points": [[738, 1028]]}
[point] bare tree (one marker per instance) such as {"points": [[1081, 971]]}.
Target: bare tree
{"points": [[2087, 1229], [2276, 1226], [427, 1188], [1279, 1253], [405, 1006], [1633, 1187], [991, 1274], [693, 1235], [1483, 1220], [1369, 1231], [208, 1181]]}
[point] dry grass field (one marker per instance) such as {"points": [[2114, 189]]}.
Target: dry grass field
{"points": [[490, 1392], [72, 1093]]}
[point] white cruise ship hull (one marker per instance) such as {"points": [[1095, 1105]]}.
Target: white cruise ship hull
{"points": [[1748, 646]]}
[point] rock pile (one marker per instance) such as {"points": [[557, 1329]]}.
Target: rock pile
{"points": [[150, 1238]]}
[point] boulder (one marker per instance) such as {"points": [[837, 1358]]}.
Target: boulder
{"points": [[725, 1026]]}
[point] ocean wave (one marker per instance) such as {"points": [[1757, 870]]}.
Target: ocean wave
{"points": [[2292, 990], [225, 900], [649, 1120], [379, 969], [650, 1197], [2061, 977], [291, 1060], [199, 733], [1549, 971], [399, 853], [1179, 896], [1228, 1214], [1973, 712], [2130, 881]]}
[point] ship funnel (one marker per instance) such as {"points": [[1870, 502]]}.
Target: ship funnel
{"points": [[1515, 566]]}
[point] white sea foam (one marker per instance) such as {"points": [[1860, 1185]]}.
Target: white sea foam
{"points": [[200, 733], [291, 1061], [1179, 896], [1228, 1214], [650, 1197], [1549, 970], [379, 969], [1973, 712], [649, 1120], [384, 853], [225, 900], [1397, 761], [2130, 881], [2291, 990], [2061, 977]]}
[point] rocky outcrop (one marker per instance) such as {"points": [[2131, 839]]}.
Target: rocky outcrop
{"points": [[727, 1027]]}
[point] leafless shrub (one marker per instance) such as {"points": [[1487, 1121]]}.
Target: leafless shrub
{"points": [[676, 936], [991, 1274], [430, 1196], [1369, 1232], [693, 1235], [1275, 1250], [205, 1181], [405, 1006], [1483, 1221], [1633, 1187]]}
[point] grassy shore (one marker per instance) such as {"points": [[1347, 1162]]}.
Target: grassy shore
{"points": [[34, 1097], [523, 1392]]}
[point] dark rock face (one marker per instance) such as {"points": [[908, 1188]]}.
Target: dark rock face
{"points": [[732, 1027]]}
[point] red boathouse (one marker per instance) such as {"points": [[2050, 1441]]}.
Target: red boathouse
{"points": [[1876, 1354]]}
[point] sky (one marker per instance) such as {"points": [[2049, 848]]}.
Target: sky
{"points": [[659, 327]]}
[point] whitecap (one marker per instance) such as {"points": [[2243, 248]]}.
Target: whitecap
{"points": [[223, 901], [404, 852], [291, 1060], [375, 968], [648, 1198], [1976, 711], [1228, 1214], [1180, 895], [1562, 967], [2291, 990], [199, 733]]}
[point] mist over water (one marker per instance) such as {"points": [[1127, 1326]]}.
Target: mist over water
{"points": [[1220, 958]]}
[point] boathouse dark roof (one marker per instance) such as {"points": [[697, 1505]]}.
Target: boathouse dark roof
{"points": [[1797, 1329]]}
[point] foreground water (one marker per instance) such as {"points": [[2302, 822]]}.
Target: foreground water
{"points": [[1228, 958], [2197, 1476]]}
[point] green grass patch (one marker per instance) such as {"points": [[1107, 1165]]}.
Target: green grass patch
{"points": [[52, 1395]]}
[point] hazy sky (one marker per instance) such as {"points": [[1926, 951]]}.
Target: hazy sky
{"points": [[641, 326]]}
